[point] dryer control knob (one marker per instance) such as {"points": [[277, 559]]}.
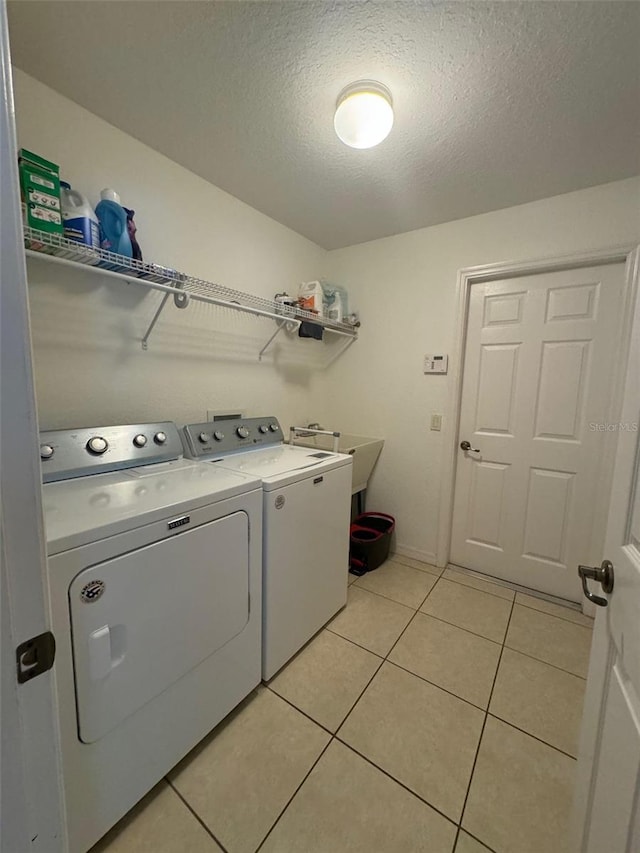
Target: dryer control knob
{"points": [[203, 437], [97, 445], [218, 435], [273, 427], [160, 437], [242, 432], [140, 440], [263, 428], [46, 451]]}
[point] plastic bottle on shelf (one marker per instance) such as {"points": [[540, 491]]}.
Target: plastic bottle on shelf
{"points": [[336, 301], [114, 234], [310, 297], [79, 221]]}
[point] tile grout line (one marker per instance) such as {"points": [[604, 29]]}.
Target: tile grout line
{"points": [[475, 838], [397, 781], [454, 625], [517, 592], [439, 686], [534, 737], [402, 633], [196, 815], [333, 736], [502, 645], [398, 563], [395, 559], [540, 660], [517, 589], [484, 724], [557, 616], [382, 659], [385, 658], [387, 598], [353, 642], [292, 797], [415, 612], [481, 591], [299, 710]]}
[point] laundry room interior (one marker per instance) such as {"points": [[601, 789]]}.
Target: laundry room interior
{"points": [[339, 452]]}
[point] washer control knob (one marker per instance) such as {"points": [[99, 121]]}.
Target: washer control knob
{"points": [[97, 445], [263, 428], [46, 451], [242, 432], [218, 435], [273, 427], [140, 440], [203, 437], [160, 437]]}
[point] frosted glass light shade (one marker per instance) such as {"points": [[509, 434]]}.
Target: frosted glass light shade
{"points": [[364, 115]]}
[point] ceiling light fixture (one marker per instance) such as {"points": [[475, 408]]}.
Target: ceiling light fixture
{"points": [[364, 114]]}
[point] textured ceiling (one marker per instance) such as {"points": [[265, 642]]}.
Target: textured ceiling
{"points": [[496, 103]]}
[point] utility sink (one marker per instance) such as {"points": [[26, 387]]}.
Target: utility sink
{"points": [[364, 449]]}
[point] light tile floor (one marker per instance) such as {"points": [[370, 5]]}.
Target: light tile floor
{"points": [[436, 713]]}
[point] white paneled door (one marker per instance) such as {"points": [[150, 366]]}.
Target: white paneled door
{"points": [[607, 805], [536, 394]]}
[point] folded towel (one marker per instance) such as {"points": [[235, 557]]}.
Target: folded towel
{"points": [[310, 330]]}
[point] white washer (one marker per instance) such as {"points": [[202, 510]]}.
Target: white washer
{"points": [[306, 516], [155, 584]]}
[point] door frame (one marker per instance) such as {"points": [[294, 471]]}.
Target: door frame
{"points": [[627, 254], [31, 797]]}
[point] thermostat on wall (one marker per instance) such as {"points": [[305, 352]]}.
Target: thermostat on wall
{"points": [[436, 363]]}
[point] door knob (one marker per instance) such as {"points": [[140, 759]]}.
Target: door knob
{"points": [[603, 575], [466, 446]]}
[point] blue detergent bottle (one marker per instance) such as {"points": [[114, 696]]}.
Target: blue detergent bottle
{"points": [[114, 235]]}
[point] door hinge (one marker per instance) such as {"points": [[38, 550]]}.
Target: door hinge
{"points": [[35, 656]]}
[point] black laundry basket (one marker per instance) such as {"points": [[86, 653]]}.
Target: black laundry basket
{"points": [[370, 541]]}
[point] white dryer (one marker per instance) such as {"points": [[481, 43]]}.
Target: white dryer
{"points": [[155, 581], [306, 517]]}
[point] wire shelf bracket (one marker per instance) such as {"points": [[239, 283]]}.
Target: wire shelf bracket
{"points": [[170, 282]]}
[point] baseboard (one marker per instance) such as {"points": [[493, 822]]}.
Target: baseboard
{"points": [[416, 554]]}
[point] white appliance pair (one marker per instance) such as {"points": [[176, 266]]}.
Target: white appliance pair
{"points": [[156, 597], [156, 587], [306, 516]]}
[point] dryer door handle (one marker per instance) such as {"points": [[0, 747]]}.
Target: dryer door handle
{"points": [[100, 653]]}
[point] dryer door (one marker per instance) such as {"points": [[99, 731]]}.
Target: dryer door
{"points": [[144, 619]]}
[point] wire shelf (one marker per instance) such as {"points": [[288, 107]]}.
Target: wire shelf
{"points": [[172, 282]]}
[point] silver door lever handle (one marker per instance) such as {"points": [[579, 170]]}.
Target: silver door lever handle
{"points": [[604, 575], [466, 446]]}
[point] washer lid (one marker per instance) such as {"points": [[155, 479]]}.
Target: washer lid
{"points": [[91, 508], [283, 463]]}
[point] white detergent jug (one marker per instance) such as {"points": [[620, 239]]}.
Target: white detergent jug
{"points": [[78, 217], [310, 296]]}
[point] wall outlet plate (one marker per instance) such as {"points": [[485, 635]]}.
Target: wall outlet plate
{"points": [[225, 415]]}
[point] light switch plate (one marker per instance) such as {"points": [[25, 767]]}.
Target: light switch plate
{"points": [[436, 363], [436, 423]]}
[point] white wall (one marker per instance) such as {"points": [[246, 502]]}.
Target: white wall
{"points": [[90, 368], [89, 364], [405, 290]]}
